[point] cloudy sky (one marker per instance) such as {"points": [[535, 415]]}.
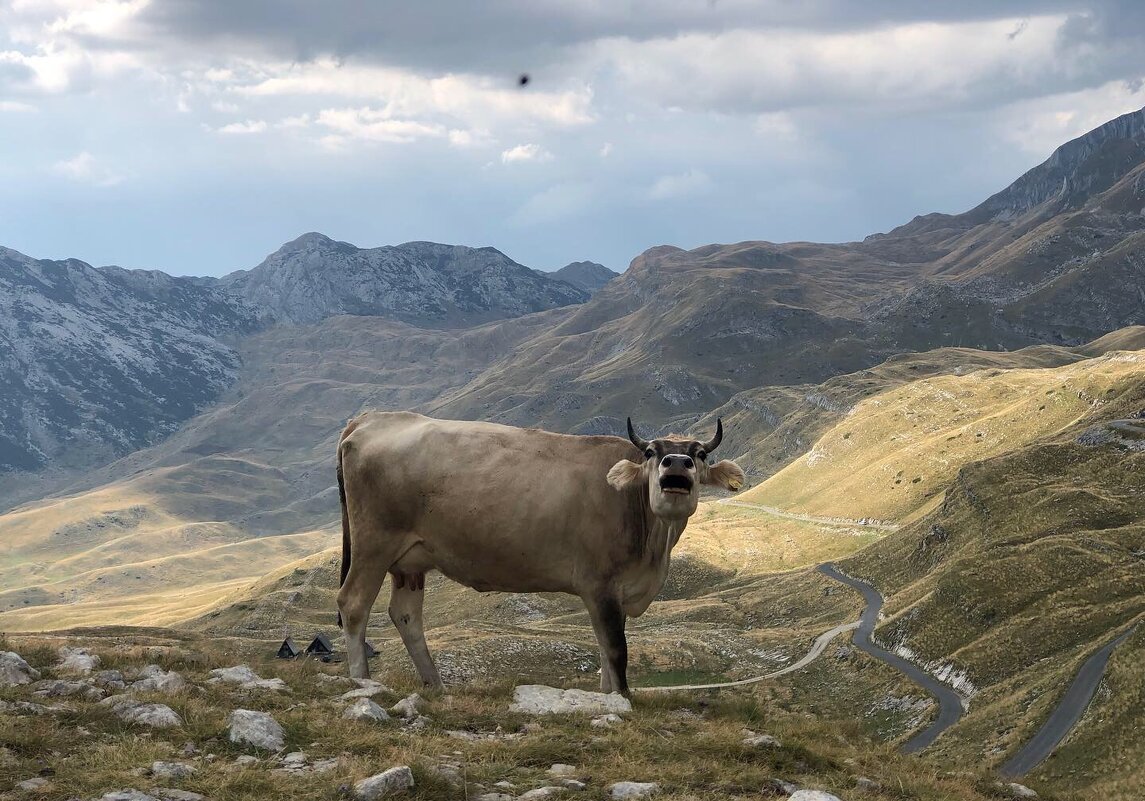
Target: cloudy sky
{"points": [[195, 136]]}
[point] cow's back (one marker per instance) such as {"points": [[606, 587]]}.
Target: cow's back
{"points": [[497, 507]]}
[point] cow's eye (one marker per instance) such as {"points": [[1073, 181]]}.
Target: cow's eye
{"points": [[701, 456], [648, 454]]}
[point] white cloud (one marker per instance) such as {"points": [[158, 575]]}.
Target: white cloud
{"points": [[1038, 126], [373, 125], [606, 150], [297, 121], [16, 106], [685, 184], [85, 169], [559, 202], [526, 152], [225, 107], [247, 127]]}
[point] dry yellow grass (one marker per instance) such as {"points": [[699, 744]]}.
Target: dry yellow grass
{"points": [[897, 451]]}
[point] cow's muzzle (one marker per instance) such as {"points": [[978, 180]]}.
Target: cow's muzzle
{"points": [[676, 483]]}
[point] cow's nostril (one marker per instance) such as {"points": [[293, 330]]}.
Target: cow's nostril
{"points": [[688, 463], [666, 461]]}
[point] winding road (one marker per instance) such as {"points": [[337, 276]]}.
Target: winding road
{"points": [[828, 521], [1066, 714]]}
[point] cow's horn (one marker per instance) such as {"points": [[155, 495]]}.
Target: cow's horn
{"points": [[714, 442], [642, 444]]}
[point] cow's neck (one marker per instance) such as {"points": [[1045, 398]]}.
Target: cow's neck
{"points": [[656, 537]]}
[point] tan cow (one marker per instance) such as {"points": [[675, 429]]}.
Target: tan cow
{"points": [[511, 510]]}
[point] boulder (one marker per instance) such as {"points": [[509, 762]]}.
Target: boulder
{"points": [[127, 795], [408, 707], [77, 661], [109, 680], [32, 785], [761, 741], [14, 670], [245, 678], [157, 716], [154, 679], [541, 793], [538, 699], [391, 782], [365, 709], [246, 726], [55, 688], [812, 795], [633, 789], [560, 770], [172, 770], [1020, 791]]}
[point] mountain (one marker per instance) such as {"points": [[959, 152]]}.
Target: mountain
{"points": [[448, 286], [586, 275], [97, 363]]}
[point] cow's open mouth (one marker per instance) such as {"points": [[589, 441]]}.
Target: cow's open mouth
{"points": [[676, 484]]}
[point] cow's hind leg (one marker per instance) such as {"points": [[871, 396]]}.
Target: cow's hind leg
{"points": [[406, 600], [355, 599], [608, 623]]}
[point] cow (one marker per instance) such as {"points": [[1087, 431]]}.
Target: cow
{"points": [[506, 509]]}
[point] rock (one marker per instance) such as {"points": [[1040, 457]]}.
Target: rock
{"points": [[448, 773], [538, 699], [76, 661], [607, 721], [495, 797], [172, 770], [761, 741], [774, 786], [365, 709], [176, 795], [367, 688], [294, 759], [62, 689], [867, 785], [255, 728], [246, 678], [109, 680], [1020, 790], [408, 707], [391, 782], [541, 793], [632, 789], [324, 765], [418, 723], [560, 770], [154, 679], [573, 784], [32, 785], [127, 795], [28, 708], [158, 716], [245, 759], [812, 795], [14, 670]]}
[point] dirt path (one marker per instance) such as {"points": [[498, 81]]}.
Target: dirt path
{"points": [[828, 521]]}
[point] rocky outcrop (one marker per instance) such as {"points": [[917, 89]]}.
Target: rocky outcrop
{"points": [[538, 699], [586, 275]]}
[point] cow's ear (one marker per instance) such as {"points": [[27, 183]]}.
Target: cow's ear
{"points": [[624, 474], [725, 474]]}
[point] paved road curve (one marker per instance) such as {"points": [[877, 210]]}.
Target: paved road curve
{"points": [[1066, 714], [949, 702]]}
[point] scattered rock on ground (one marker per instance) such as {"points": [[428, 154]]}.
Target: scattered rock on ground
{"points": [[761, 741], [14, 670], [539, 699], [245, 678], [245, 759], [32, 785], [633, 789], [365, 709], [408, 707], [573, 784], [607, 721], [171, 794], [867, 785], [54, 688], [255, 728], [158, 716], [495, 797], [812, 795], [390, 782], [367, 688], [109, 680], [1020, 790], [172, 770], [776, 786], [154, 679], [560, 770], [127, 795], [28, 708], [541, 793], [76, 661]]}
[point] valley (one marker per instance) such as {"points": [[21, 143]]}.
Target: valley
{"points": [[947, 412]]}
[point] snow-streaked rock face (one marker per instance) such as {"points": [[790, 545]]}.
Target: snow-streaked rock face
{"points": [[314, 277], [99, 362]]}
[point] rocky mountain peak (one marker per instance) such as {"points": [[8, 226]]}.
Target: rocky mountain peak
{"points": [[587, 275]]}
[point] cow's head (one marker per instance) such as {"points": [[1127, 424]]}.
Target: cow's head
{"points": [[673, 470]]}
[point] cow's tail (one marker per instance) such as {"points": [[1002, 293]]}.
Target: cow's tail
{"points": [[345, 528]]}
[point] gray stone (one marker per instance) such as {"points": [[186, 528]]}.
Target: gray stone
{"points": [[171, 794], [779, 786], [14, 670], [367, 688], [259, 729], [495, 797], [109, 680], [812, 795], [245, 678], [1020, 790], [158, 716], [867, 785], [172, 770], [245, 759], [366, 710], [391, 782], [560, 770], [607, 721], [78, 661], [538, 699], [127, 795], [761, 741], [633, 789], [573, 784], [154, 679], [408, 707], [32, 785], [541, 793], [63, 689]]}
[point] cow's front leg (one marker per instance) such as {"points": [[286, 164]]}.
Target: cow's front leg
{"points": [[608, 623]]}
